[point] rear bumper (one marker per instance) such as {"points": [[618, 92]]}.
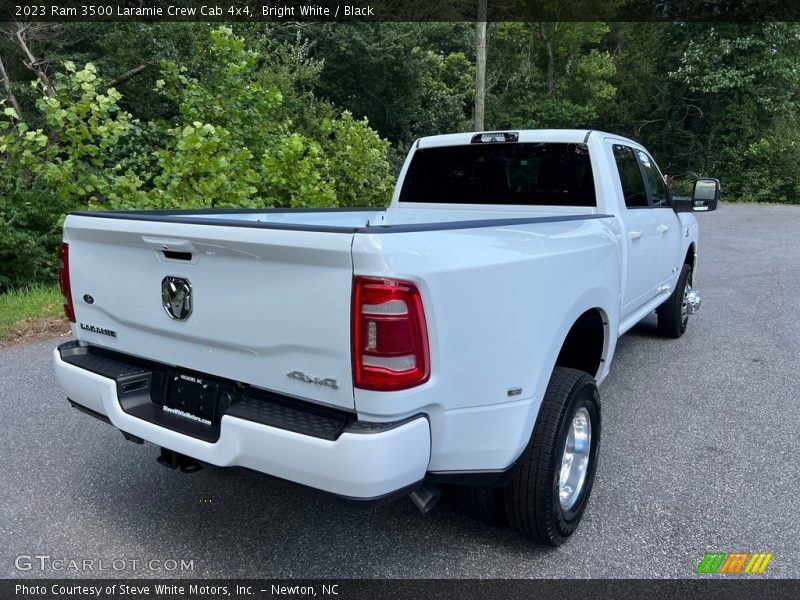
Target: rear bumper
{"points": [[366, 461]]}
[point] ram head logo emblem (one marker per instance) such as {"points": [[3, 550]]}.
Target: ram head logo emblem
{"points": [[176, 297]]}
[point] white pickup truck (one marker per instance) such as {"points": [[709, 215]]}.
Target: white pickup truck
{"points": [[455, 338]]}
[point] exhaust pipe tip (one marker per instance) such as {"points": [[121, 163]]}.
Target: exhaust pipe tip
{"points": [[425, 497]]}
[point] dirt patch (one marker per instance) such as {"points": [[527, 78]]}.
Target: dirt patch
{"points": [[35, 329]]}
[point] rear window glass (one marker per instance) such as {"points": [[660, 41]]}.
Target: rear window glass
{"points": [[501, 173]]}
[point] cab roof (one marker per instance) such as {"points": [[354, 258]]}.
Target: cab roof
{"points": [[564, 136]]}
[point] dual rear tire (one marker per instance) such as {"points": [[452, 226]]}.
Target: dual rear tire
{"points": [[549, 491]]}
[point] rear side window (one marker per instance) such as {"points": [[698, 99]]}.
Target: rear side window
{"points": [[630, 177], [501, 173]]}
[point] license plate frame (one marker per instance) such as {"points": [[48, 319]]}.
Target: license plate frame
{"points": [[194, 397]]}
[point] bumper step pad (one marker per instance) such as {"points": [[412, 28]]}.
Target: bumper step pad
{"points": [[142, 385]]}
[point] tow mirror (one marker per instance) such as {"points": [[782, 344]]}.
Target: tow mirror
{"points": [[706, 194]]}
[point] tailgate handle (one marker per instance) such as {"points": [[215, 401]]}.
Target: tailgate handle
{"points": [[169, 245], [174, 255], [172, 249]]}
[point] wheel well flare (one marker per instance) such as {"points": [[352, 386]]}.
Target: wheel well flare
{"points": [[584, 344]]}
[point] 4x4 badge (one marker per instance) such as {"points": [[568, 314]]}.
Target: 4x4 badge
{"points": [[176, 297], [327, 382]]}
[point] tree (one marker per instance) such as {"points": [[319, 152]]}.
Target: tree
{"points": [[231, 142], [9, 88], [71, 155], [547, 75], [24, 35], [234, 145], [480, 67], [649, 106], [745, 80], [407, 79]]}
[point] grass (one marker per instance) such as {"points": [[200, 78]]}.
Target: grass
{"points": [[21, 308]]}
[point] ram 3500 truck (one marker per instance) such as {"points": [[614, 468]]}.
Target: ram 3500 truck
{"points": [[455, 338]]}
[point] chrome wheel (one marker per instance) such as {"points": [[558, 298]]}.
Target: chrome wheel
{"points": [[685, 303], [575, 460]]}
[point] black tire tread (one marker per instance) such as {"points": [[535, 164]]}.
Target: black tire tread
{"points": [[528, 496], [669, 313]]}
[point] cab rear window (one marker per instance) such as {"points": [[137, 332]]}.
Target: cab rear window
{"points": [[526, 174]]}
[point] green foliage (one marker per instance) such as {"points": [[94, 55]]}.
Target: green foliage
{"points": [[771, 170], [759, 58], [46, 172], [744, 78], [72, 157], [356, 167], [651, 107], [294, 174], [230, 134], [30, 231], [398, 76], [547, 75], [117, 48], [230, 144], [233, 145], [711, 100], [202, 166]]}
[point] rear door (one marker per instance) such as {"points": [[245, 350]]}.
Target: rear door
{"points": [[265, 307], [641, 237], [668, 224]]}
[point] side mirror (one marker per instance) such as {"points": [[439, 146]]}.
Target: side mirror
{"points": [[706, 194]]}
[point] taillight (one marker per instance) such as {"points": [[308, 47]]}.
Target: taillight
{"points": [[389, 335], [63, 279]]}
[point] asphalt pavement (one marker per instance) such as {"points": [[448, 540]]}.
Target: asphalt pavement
{"points": [[700, 453]]}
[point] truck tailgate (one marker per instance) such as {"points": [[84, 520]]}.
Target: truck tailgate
{"points": [[269, 307]]}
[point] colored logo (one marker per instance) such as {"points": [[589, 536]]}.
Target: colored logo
{"points": [[734, 562]]}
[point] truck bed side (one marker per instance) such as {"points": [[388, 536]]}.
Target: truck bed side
{"points": [[499, 302]]}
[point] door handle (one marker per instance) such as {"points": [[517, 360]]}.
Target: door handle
{"points": [[662, 228], [635, 235]]}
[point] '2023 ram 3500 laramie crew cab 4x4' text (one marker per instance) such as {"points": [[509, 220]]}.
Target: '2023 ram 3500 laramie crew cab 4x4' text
{"points": [[455, 338]]}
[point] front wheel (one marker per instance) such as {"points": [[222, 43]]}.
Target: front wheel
{"points": [[549, 493], [673, 315]]}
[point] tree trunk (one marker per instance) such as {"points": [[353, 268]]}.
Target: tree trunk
{"points": [[480, 67], [34, 64], [550, 76], [126, 76], [9, 92]]}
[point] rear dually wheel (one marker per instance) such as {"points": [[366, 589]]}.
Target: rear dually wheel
{"points": [[547, 497]]}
